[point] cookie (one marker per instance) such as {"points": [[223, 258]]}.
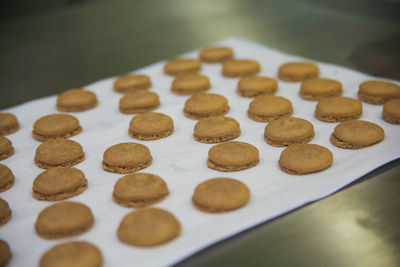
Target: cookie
{"points": [[74, 253], [190, 84], [131, 82], [138, 102], [232, 156], [356, 134], [203, 105], [126, 158], [288, 130], [140, 190], [150, 126], [5, 253], [5, 212], [6, 148], [75, 100], [148, 227], [58, 152], [378, 92], [265, 108], [56, 126], [8, 123], [216, 54], [240, 67], [64, 219], [216, 129], [181, 66], [337, 109], [305, 158], [298, 71], [256, 85], [59, 183], [6, 178], [319, 88], [391, 111]]}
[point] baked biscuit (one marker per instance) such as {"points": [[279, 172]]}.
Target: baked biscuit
{"points": [[5, 212], [240, 67], [356, 134], [8, 123], [203, 105], [216, 129], [337, 109], [75, 100], [378, 92], [391, 111], [131, 82], [298, 71], [5, 253], [6, 148], [56, 126], [216, 54], [288, 130], [6, 178], [181, 66], [256, 85], [138, 102], [265, 108], [319, 88], [151, 126], [190, 84]]}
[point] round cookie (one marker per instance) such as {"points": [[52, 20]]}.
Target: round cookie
{"points": [[190, 84], [319, 88], [5, 212], [356, 134], [288, 130], [58, 152], [126, 158], [75, 100], [337, 109], [220, 195], [6, 148], [378, 92], [131, 82], [59, 183], [305, 158], [180, 66], [139, 190], [74, 253], [56, 126], [138, 102], [232, 156], [148, 227], [8, 123], [203, 105], [151, 126], [5, 253], [6, 178], [265, 108], [298, 71], [216, 129], [64, 219], [216, 54], [391, 111], [240, 67], [256, 85]]}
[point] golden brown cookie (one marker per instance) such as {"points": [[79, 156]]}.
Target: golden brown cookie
{"points": [[75, 100], [232, 156], [181, 66], [58, 152], [378, 92], [148, 227], [131, 82], [6, 178], [256, 85], [220, 195], [240, 67], [72, 254], [391, 111], [203, 105], [150, 126], [64, 219], [338, 108], [138, 102], [5, 212], [59, 183], [190, 84], [265, 108], [356, 134], [298, 71], [56, 126], [288, 130], [140, 190], [126, 158], [8, 123], [5, 253], [319, 88], [6, 148], [216, 129], [216, 54]]}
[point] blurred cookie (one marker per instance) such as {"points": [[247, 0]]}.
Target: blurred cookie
{"points": [[356, 134], [391, 111], [8, 123], [181, 66], [59, 183], [338, 108], [319, 88], [126, 158], [265, 108], [138, 102], [56, 126], [148, 227], [131, 82], [5, 212], [288, 130], [5, 253], [190, 84], [216, 54], [6, 178], [6, 148], [216, 129], [75, 100], [151, 126], [240, 67], [256, 85], [378, 92], [298, 71], [203, 105]]}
